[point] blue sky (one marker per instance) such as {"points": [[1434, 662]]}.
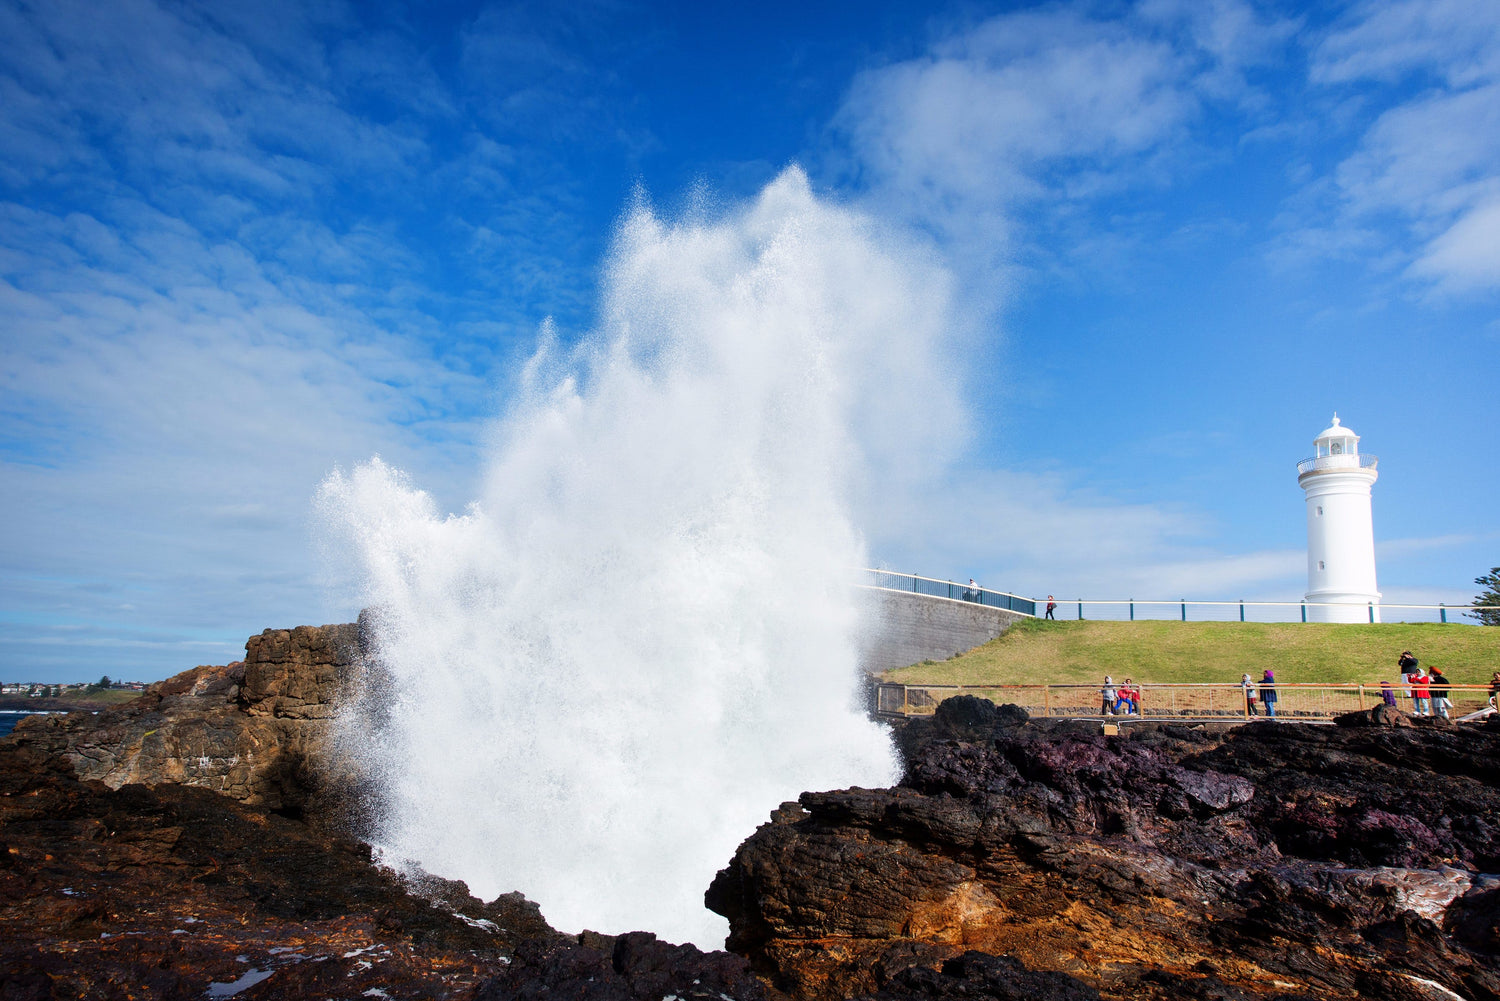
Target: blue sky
{"points": [[242, 245]]}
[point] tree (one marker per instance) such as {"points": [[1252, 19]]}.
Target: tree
{"points": [[1489, 596], [104, 682]]}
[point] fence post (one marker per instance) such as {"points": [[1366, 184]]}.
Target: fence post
{"points": [[1361, 698], [1304, 611], [1372, 613], [1443, 613], [1047, 701], [1132, 609], [1184, 609], [1080, 609], [1242, 609]]}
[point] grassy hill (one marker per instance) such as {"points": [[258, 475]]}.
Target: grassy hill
{"points": [[71, 701], [1073, 652]]}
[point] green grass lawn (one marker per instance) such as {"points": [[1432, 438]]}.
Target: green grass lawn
{"points": [[1072, 652]]}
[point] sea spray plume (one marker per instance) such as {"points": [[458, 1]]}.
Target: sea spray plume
{"points": [[606, 673]]}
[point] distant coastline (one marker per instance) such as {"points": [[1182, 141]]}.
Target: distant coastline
{"points": [[10, 717], [91, 702]]}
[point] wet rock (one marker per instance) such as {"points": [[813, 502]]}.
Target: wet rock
{"points": [[1274, 860], [1381, 715], [175, 892], [979, 975], [632, 967]]}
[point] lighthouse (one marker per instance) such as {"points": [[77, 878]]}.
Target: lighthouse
{"points": [[1340, 533]]}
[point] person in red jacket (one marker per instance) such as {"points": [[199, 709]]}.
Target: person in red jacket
{"points": [[1421, 692]]}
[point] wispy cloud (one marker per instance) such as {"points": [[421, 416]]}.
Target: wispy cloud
{"points": [[1430, 160], [218, 281], [1046, 111], [1045, 533]]}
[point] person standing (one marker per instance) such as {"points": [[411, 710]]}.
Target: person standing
{"points": [[1249, 687], [1109, 693], [1268, 692], [1421, 692], [1051, 607], [1408, 665], [1440, 701]]}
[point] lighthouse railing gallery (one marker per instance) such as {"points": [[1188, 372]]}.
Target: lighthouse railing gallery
{"points": [[1183, 609], [1342, 461]]}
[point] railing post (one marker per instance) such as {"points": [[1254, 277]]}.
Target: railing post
{"points": [[1080, 609], [1372, 613], [1443, 613], [1242, 609], [1184, 609], [1132, 609], [1304, 611]]}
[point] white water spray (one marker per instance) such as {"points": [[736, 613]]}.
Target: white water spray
{"points": [[641, 639]]}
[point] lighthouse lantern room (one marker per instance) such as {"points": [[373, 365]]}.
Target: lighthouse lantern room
{"points": [[1340, 533]]}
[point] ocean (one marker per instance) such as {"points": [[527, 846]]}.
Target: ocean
{"points": [[9, 719]]}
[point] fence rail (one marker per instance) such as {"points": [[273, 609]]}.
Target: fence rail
{"points": [[1212, 701], [935, 588], [1256, 611], [1165, 608]]}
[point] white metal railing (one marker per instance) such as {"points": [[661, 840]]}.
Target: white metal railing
{"points": [[1158, 608], [1346, 461], [890, 580], [1252, 611]]}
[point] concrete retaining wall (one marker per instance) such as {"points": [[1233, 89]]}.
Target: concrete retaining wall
{"points": [[901, 628]]}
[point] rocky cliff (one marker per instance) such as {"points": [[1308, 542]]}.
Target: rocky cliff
{"points": [[176, 892], [1271, 860], [181, 847], [255, 730]]}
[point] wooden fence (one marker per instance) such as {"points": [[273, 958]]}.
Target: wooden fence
{"points": [[1168, 701]]}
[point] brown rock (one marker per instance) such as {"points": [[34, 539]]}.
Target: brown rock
{"points": [[255, 731]]}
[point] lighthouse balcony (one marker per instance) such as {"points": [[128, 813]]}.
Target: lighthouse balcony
{"points": [[1319, 463]]}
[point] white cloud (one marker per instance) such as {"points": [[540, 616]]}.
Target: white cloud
{"points": [[1035, 534], [1023, 106], [1431, 159], [1459, 40]]}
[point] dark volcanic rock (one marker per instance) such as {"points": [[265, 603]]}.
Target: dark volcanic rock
{"points": [[162, 893], [635, 966], [1271, 860]]}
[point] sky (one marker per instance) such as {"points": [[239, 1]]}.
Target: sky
{"points": [[244, 245]]}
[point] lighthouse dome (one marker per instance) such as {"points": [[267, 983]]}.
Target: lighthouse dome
{"points": [[1337, 439], [1336, 430]]}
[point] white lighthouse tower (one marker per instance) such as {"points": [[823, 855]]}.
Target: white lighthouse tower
{"points": [[1340, 533]]}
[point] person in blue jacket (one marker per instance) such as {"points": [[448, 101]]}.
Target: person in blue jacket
{"points": [[1268, 692]]}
